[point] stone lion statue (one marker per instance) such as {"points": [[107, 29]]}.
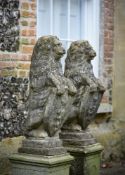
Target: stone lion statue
{"points": [[79, 70], [50, 93], [79, 67]]}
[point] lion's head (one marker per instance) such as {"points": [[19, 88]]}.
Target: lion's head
{"points": [[80, 48], [79, 56], [48, 46]]}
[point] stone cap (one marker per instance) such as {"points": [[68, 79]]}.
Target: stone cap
{"points": [[41, 160]]}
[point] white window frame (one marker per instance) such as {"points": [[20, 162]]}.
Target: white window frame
{"points": [[90, 34]]}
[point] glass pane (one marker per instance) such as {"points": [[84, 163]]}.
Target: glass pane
{"points": [[60, 16], [75, 19], [83, 17], [43, 18], [87, 23]]}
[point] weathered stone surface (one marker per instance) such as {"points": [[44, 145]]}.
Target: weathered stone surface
{"points": [[77, 139], [50, 95], [87, 160], [86, 151], [40, 165], [47, 146], [52, 100], [57, 102], [13, 96], [89, 89], [9, 25]]}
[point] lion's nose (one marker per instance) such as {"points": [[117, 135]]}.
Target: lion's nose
{"points": [[93, 53]]}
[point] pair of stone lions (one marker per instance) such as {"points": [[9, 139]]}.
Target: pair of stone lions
{"points": [[56, 100]]}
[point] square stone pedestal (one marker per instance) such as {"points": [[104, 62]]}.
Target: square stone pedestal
{"points": [[28, 164], [86, 151], [87, 160]]}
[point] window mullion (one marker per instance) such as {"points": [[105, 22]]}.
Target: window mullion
{"points": [[51, 17], [68, 25]]}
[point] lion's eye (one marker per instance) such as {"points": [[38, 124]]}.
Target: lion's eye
{"points": [[59, 44], [87, 49]]}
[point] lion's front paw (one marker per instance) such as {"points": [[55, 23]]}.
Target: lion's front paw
{"points": [[60, 91], [72, 91], [71, 87]]}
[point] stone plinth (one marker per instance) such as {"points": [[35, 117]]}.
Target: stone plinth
{"points": [[49, 146], [86, 151], [28, 164]]}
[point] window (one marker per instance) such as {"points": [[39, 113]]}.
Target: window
{"points": [[70, 20]]}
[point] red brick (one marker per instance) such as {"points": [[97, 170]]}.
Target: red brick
{"points": [[29, 56], [24, 57], [23, 65], [4, 55], [28, 14], [108, 55], [108, 61], [108, 48], [22, 73], [1, 56], [9, 57], [106, 34], [32, 41], [33, 6], [108, 41], [28, 32], [24, 14], [27, 49], [32, 24], [32, 14], [31, 32], [24, 23], [109, 70], [24, 32], [25, 5], [106, 4], [7, 64]]}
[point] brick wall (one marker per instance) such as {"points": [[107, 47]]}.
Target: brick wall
{"points": [[108, 48], [18, 63]]}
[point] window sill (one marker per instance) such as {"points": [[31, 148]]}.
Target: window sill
{"points": [[104, 108]]}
